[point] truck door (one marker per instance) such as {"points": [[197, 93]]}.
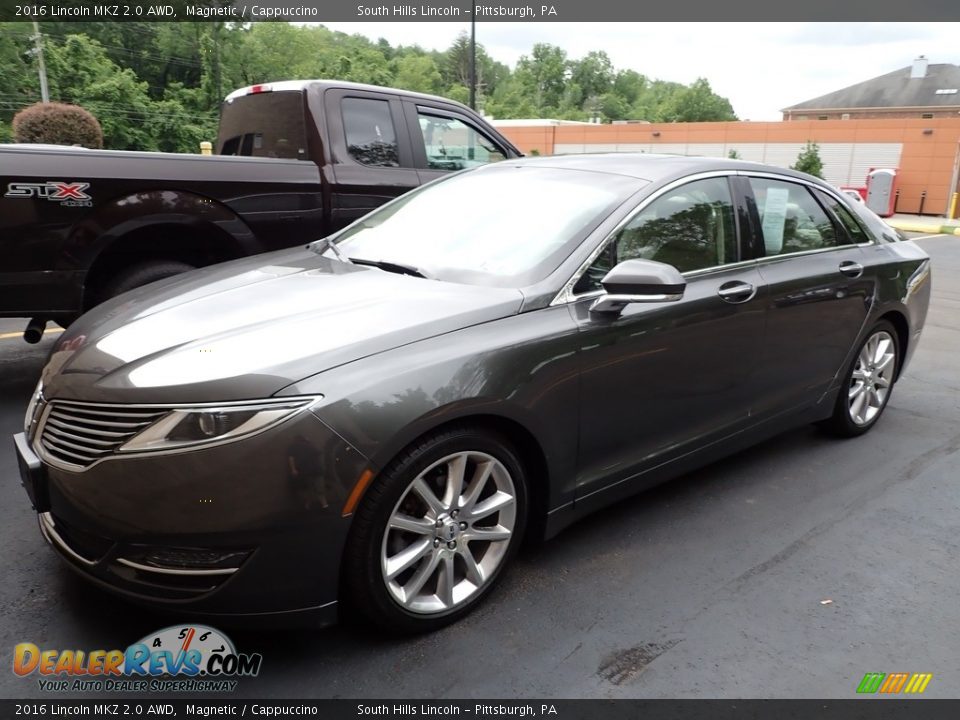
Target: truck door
{"points": [[445, 140], [370, 152]]}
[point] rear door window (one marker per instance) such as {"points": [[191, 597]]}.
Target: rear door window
{"points": [[264, 124], [791, 219], [370, 133]]}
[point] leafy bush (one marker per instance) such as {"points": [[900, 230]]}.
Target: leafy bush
{"points": [[58, 124], [809, 161]]}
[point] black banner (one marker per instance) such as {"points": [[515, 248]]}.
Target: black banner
{"points": [[481, 11], [861, 709]]}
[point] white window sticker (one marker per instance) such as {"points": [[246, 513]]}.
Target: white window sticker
{"points": [[774, 219]]}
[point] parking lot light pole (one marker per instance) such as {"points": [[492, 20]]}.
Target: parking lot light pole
{"points": [[473, 63]]}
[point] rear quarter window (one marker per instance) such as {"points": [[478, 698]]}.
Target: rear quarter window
{"points": [[266, 124]]}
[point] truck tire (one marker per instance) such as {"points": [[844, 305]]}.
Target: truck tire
{"points": [[142, 274]]}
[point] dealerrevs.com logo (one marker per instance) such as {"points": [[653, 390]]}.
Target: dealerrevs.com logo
{"points": [[180, 658], [71, 194]]}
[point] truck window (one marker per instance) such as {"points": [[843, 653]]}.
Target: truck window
{"points": [[452, 144], [370, 133], [265, 124]]}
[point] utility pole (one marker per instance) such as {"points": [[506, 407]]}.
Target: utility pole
{"points": [[473, 63], [38, 48]]}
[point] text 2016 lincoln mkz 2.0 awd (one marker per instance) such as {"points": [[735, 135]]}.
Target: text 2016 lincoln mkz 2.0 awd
{"points": [[377, 419]]}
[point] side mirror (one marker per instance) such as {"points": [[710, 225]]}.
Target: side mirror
{"points": [[639, 281]]}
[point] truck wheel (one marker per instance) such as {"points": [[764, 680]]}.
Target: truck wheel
{"points": [[142, 274]]}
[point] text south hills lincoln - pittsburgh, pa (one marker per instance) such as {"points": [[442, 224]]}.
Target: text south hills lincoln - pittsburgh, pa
{"points": [[519, 12]]}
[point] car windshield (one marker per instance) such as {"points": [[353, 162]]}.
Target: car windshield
{"points": [[505, 226]]}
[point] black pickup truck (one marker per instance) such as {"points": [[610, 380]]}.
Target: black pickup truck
{"points": [[294, 161]]}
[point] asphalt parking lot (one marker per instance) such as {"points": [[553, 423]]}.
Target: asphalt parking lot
{"points": [[714, 585]]}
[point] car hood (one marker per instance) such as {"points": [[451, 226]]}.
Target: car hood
{"points": [[248, 328]]}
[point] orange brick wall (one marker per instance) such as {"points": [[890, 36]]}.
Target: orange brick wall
{"points": [[926, 163]]}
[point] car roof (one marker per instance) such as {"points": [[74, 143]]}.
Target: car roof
{"points": [[650, 166]]}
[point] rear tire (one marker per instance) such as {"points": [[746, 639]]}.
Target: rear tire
{"points": [[142, 274], [868, 383], [435, 531]]}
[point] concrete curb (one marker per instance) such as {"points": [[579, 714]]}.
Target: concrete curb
{"points": [[922, 227]]}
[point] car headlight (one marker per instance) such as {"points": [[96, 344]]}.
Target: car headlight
{"points": [[196, 425], [32, 408]]}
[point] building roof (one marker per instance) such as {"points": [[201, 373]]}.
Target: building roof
{"points": [[894, 90]]}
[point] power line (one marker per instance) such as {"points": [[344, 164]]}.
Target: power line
{"points": [[93, 105], [170, 59]]}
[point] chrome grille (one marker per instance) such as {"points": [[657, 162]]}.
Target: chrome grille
{"points": [[78, 434]]}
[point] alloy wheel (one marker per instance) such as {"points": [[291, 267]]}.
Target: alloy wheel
{"points": [[872, 378], [449, 532]]}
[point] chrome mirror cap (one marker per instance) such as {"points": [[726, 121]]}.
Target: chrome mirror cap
{"points": [[616, 303]]}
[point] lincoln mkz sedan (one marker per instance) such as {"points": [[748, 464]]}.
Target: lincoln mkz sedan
{"points": [[376, 420]]}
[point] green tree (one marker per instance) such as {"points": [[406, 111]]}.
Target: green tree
{"points": [[19, 81], [510, 100], [734, 155], [593, 74], [697, 103], [543, 74], [614, 107], [454, 67], [809, 161], [178, 124], [81, 73], [629, 85], [159, 85], [418, 73]]}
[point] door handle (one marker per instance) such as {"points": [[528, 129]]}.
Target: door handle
{"points": [[851, 269], [736, 292]]}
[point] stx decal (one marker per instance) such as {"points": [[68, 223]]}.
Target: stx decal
{"points": [[66, 193]]}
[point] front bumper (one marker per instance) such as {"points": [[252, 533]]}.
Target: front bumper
{"points": [[222, 532]]}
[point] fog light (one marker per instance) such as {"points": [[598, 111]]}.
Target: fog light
{"points": [[187, 558]]}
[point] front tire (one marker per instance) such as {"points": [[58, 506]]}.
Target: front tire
{"points": [[435, 531], [869, 382]]}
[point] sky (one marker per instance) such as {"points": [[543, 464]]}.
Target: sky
{"points": [[760, 67]]}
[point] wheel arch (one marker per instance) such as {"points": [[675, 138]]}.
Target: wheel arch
{"points": [[154, 225], [532, 455], [900, 324], [171, 237]]}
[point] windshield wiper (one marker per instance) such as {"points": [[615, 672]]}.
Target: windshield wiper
{"points": [[322, 245], [393, 267]]}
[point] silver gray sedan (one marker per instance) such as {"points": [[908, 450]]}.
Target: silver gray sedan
{"points": [[376, 420]]}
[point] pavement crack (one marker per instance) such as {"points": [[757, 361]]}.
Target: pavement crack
{"points": [[570, 654]]}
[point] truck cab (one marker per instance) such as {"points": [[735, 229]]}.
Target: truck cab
{"points": [[294, 162], [372, 143]]}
